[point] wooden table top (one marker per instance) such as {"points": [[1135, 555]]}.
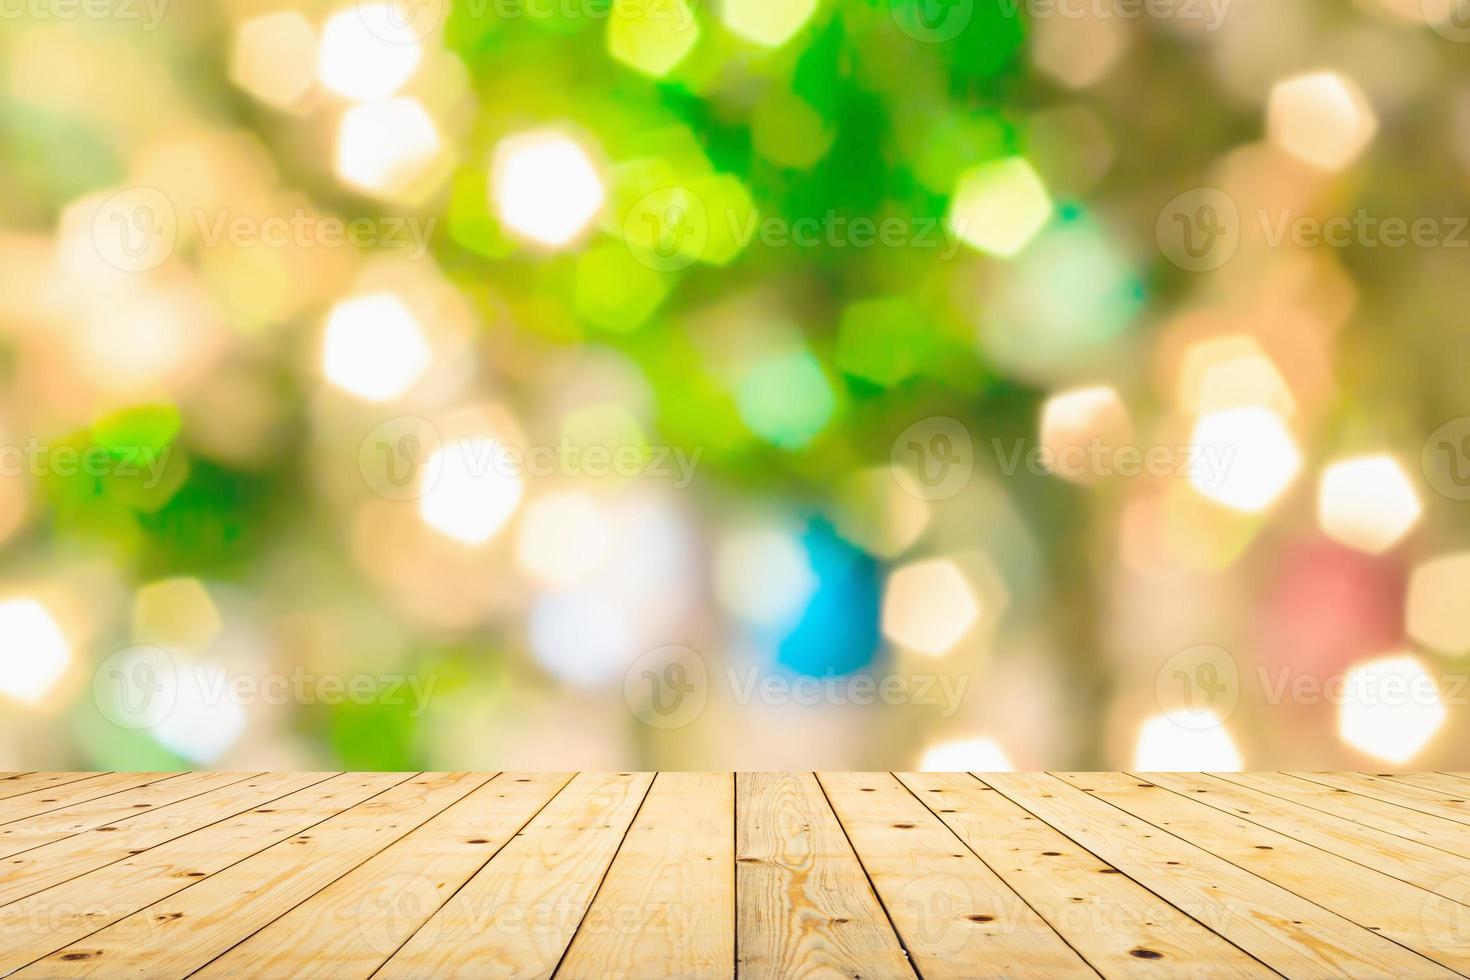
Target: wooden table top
{"points": [[785, 874]]}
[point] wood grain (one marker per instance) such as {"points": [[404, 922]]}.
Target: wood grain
{"points": [[805, 907], [668, 903], [517, 915]]}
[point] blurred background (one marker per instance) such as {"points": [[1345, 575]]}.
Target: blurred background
{"points": [[751, 384]]}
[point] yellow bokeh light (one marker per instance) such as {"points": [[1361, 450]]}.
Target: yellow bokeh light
{"points": [[1367, 503], [471, 488], [384, 148], [374, 347], [1390, 708], [1260, 458], [273, 57], [998, 207], [1321, 118], [368, 51], [651, 37], [929, 606], [1198, 743], [1436, 612], [966, 755], [1232, 372], [545, 187], [34, 653], [770, 23], [176, 613]]}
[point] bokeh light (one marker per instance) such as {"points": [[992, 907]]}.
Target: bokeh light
{"points": [[577, 362]]}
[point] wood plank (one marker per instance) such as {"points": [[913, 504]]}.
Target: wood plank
{"points": [[188, 929], [953, 914], [1380, 902], [29, 782], [517, 915], [667, 906], [1418, 864], [1120, 927], [1410, 824], [44, 922], [41, 801], [1286, 932], [1453, 787], [804, 907], [349, 928], [61, 824], [43, 867], [1428, 801]]}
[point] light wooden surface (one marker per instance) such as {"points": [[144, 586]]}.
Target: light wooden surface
{"points": [[705, 875]]}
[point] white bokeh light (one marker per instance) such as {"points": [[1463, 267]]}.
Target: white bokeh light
{"points": [[374, 347], [1259, 459], [1198, 743], [367, 52], [203, 721], [1321, 118], [928, 607], [474, 490], [564, 538], [966, 755], [763, 576], [545, 187], [1367, 503], [1390, 709], [34, 653], [383, 147]]}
